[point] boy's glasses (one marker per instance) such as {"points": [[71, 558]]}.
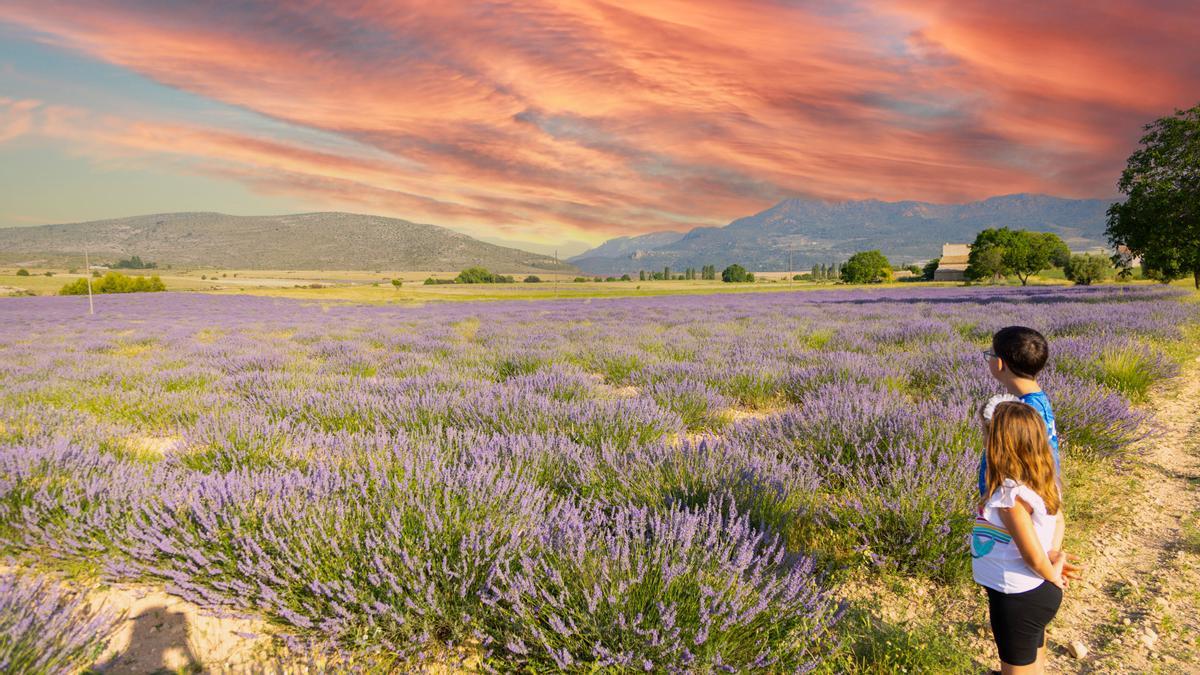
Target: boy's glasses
{"points": [[989, 354]]}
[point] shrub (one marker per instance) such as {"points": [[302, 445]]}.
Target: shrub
{"points": [[626, 277], [696, 403], [531, 279], [1085, 270], [46, 628], [115, 282], [22, 272], [438, 282], [397, 283], [580, 280], [627, 588], [48, 273]]}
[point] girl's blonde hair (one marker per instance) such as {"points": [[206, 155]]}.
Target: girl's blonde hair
{"points": [[1018, 448]]}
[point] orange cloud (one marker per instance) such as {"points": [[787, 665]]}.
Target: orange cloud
{"points": [[586, 116]]}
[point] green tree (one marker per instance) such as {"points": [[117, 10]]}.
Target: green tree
{"points": [[866, 267], [533, 279], [1159, 220], [641, 275], [474, 275], [22, 272], [930, 269], [1031, 252], [397, 283], [1085, 270], [999, 252], [736, 274], [625, 277], [666, 274]]}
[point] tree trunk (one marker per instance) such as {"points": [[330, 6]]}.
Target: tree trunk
{"points": [[1024, 279], [1196, 277]]}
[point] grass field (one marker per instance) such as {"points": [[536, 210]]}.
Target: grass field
{"points": [[376, 287]]}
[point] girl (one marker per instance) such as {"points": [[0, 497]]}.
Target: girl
{"points": [[1015, 541]]}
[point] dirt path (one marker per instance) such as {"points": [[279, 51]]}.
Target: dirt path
{"points": [[1138, 608]]}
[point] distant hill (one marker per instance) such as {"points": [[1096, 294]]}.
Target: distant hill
{"points": [[314, 241], [825, 232], [622, 247]]}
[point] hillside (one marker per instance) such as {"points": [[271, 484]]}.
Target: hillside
{"points": [[315, 241], [825, 232]]}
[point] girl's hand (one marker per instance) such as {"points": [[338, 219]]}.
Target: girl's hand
{"points": [[1056, 571], [1070, 571]]}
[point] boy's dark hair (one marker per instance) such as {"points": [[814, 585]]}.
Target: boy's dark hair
{"points": [[1022, 349]]}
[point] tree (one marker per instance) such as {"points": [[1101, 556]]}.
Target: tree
{"points": [[866, 267], [1031, 252], [533, 279], [397, 283], [1084, 270], [641, 275], [22, 272], [999, 252], [736, 274], [666, 274], [1159, 220], [625, 277], [474, 275], [930, 269]]}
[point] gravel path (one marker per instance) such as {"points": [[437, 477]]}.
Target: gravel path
{"points": [[1137, 609]]}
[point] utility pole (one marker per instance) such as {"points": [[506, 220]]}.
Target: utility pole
{"points": [[87, 274]]}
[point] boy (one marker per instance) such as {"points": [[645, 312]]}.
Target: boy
{"points": [[1017, 355]]}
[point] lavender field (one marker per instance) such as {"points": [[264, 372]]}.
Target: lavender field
{"points": [[660, 484]]}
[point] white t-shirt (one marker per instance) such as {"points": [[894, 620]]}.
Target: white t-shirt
{"points": [[996, 561]]}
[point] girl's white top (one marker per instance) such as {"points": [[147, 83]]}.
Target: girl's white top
{"points": [[996, 561]]}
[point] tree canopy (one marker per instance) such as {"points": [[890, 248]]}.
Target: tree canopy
{"points": [[866, 267], [736, 274], [1159, 220], [1000, 252]]}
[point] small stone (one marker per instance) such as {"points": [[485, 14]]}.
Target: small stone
{"points": [[1077, 650], [1125, 621], [1149, 638]]}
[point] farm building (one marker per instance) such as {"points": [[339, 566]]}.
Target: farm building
{"points": [[953, 264]]}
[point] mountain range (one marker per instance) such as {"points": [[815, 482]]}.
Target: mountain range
{"points": [[806, 232], [330, 241]]}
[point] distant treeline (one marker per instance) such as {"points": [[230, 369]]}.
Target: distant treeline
{"points": [[134, 263]]}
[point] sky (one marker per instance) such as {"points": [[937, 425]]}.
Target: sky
{"points": [[574, 121]]}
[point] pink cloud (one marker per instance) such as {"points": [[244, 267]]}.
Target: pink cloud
{"points": [[595, 117]]}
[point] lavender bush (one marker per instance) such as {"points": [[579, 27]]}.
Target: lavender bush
{"points": [[46, 628], [675, 590], [608, 484]]}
